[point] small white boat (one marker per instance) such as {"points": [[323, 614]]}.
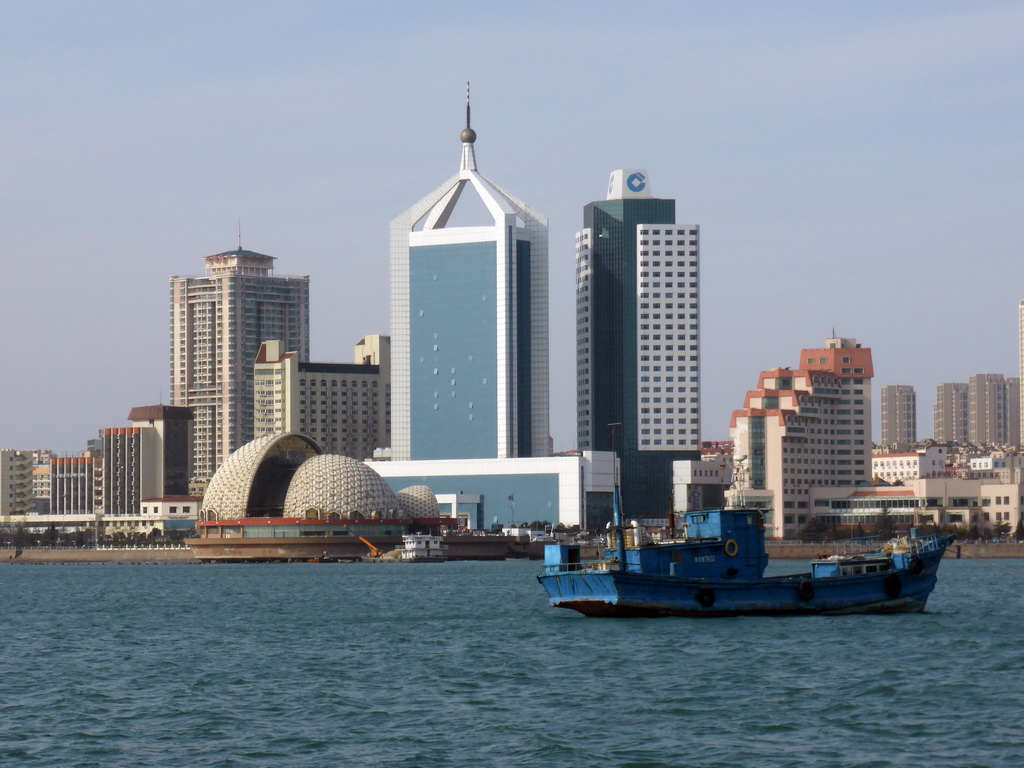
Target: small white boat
{"points": [[422, 548]]}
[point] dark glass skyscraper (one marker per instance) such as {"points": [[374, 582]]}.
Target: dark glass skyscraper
{"points": [[638, 358]]}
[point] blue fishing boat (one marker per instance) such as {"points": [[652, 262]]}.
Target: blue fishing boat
{"points": [[715, 566]]}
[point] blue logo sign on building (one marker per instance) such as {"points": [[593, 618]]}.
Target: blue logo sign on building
{"points": [[629, 183], [636, 182]]}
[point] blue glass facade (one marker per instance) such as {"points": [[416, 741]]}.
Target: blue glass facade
{"points": [[506, 499], [453, 351]]}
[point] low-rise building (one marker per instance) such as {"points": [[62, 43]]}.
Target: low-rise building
{"points": [[942, 501], [571, 489], [701, 484], [897, 467]]}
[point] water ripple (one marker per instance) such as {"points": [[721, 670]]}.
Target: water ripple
{"points": [[463, 664]]}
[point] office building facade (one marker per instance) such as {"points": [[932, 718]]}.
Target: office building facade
{"points": [[344, 407], [218, 322], [469, 323], [149, 460], [638, 338]]}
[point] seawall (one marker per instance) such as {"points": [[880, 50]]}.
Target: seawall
{"points": [[57, 556], [803, 550]]}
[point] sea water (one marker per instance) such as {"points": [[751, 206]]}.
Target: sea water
{"points": [[464, 664]]}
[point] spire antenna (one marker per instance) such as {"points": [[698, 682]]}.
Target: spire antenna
{"points": [[239, 233], [467, 103]]}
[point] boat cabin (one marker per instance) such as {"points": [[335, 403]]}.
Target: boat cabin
{"points": [[849, 565]]}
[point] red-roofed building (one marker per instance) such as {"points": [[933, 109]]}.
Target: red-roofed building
{"points": [[803, 428]]}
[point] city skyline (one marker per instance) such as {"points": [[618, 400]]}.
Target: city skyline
{"points": [[850, 168]]}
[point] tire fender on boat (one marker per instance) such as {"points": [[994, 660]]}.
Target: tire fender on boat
{"points": [[706, 597], [916, 566], [893, 585], [805, 590], [732, 548]]}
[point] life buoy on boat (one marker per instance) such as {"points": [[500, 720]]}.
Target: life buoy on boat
{"points": [[805, 590], [706, 597], [916, 566], [893, 585], [732, 548]]}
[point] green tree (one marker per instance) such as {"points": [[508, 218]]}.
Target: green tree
{"points": [[815, 529], [885, 527]]}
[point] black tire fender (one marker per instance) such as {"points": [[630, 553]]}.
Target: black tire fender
{"points": [[893, 585], [805, 590], [916, 566], [706, 597]]}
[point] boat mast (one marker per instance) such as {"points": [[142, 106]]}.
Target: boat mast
{"points": [[620, 536]]}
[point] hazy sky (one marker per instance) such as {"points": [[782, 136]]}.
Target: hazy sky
{"points": [[855, 166]]}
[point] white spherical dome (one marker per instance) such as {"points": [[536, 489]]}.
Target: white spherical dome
{"points": [[417, 501], [338, 485]]}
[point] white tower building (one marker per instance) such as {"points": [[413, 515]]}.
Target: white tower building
{"points": [[469, 324]]}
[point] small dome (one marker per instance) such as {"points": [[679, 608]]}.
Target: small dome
{"points": [[468, 135], [341, 486], [417, 501]]}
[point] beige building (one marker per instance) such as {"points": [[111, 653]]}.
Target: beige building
{"points": [[151, 459], [218, 322], [939, 501], [16, 497], [899, 467], [344, 407], [899, 416], [802, 428], [993, 409], [951, 413]]}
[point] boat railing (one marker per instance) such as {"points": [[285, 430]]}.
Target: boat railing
{"points": [[581, 565]]}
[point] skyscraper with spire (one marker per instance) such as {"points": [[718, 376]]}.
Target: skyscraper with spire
{"points": [[469, 322]]}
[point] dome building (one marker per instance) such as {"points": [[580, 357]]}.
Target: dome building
{"points": [[280, 497]]}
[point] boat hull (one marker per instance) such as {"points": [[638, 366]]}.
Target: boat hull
{"points": [[614, 593]]}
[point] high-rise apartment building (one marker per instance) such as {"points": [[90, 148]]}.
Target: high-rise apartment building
{"points": [[218, 322], [638, 338], [951, 413], [804, 427], [345, 407], [993, 409], [899, 416], [149, 460], [469, 323]]}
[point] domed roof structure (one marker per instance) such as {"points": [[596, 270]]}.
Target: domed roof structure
{"points": [[417, 501], [289, 475], [254, 479], [338, 485]]}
